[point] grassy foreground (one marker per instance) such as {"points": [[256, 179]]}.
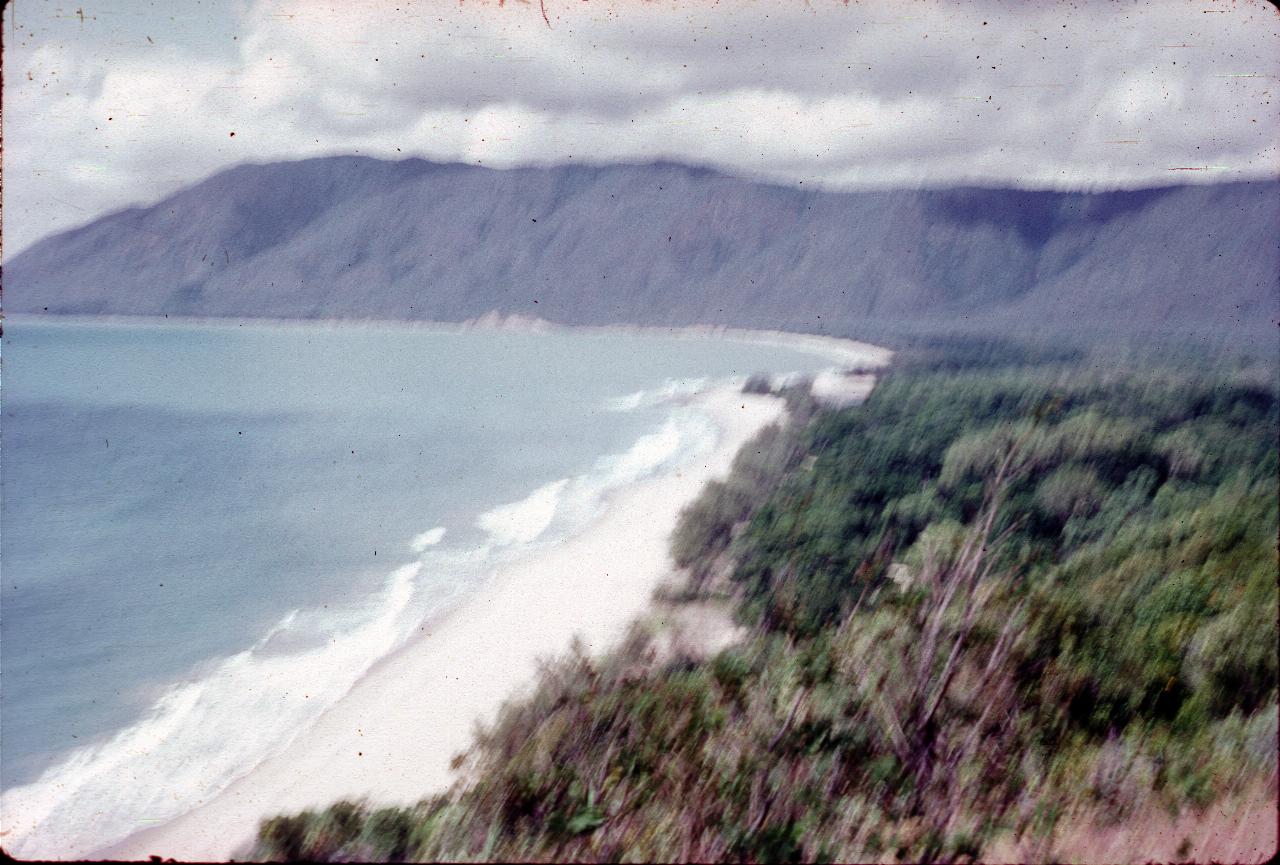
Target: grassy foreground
{"points": [[1002, 593]]}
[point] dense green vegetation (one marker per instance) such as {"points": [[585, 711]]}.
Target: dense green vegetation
{"points": [[990, 596]]}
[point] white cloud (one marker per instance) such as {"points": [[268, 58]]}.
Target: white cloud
{"points": [[100, 114]]}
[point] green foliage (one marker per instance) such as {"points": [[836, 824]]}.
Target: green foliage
{"points": [[1117, 641], [1069, 491], [916, 452], [711, 521]]}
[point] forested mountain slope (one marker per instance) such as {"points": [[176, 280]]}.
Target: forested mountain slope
{"points": [[664, 244]]}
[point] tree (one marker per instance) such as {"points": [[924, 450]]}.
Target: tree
{"points": [[957, 581]]}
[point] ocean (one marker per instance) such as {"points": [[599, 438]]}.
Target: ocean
{"points": [[210, 532]]}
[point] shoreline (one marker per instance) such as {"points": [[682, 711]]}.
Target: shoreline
{"points": [[842, 351], [392, 736], [391, 739]]}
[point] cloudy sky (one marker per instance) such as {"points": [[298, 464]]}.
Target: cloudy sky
{"points": [[113, 103]]}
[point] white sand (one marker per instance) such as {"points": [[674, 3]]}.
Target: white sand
{"points": [[391, 739]]}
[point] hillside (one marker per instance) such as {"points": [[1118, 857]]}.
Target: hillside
{"points": [[665, 244], [1001, 614]]}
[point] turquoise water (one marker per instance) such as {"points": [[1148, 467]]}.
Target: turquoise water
{"points": [[210, 532]]}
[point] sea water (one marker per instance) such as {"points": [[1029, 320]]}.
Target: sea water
{"points": [[210, 532]]}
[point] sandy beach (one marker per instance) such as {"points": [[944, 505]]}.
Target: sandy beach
{"points": [[392, 737]]}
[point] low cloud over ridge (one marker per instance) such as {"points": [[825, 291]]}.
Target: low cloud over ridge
{"points": [[131, 102]]}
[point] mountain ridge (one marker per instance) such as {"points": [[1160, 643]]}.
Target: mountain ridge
{"points": [[668, 244]]}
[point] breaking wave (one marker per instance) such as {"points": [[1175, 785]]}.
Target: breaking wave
{"points": [[203, 733]]}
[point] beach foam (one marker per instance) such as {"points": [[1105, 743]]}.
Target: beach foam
{"points": [[683, 434], [429, 538], [391, 742], [562, 507], [201, 735], [204, 733], [523, 521], [669, 390], [222, 735]]}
